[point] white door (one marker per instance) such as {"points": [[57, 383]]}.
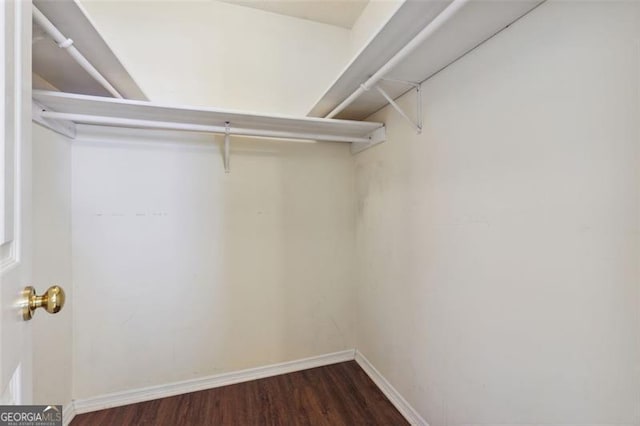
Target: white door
{"points": [[15, 199]]}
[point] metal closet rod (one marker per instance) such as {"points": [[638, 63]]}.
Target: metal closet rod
{"points": [[424, 34], [67, 44], [170, 125]]}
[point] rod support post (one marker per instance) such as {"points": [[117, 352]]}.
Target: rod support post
{"points": [[227, 133]]}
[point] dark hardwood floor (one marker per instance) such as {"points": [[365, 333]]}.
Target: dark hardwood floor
{"points": [[339, 394]]}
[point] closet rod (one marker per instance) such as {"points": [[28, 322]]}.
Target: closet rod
{"points": [[425, 33], [170, 125], [67, 44]]}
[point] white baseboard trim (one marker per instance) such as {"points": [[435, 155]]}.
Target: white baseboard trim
{"points": [[162, 391], [118, 399], [390, 392], [68, 413]]}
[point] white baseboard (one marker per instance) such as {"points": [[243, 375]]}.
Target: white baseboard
{"points": [[390, 392], [154, 392], [68, 413], [118, 399]]}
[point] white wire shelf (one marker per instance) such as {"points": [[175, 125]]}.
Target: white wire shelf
{"points": [[67, 108]]}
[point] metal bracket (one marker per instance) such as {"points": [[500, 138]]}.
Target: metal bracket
{"points": [[227, 131], [65, 128], [377, 136], [418, 123]]}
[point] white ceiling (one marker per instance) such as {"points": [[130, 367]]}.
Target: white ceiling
{"points": [[342, 13]]}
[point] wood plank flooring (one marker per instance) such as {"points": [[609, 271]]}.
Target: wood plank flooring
{"points": [[338, 394]]}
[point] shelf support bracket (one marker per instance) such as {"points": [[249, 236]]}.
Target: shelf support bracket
{"points": [[377, 136], [227, 131], [416, 124], [65, 128]]}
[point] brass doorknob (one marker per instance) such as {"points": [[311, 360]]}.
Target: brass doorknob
{"points": [[52, 301]]}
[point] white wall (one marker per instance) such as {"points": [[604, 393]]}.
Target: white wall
{"points": [[201, 272], [52, 335], [375, 14], [218, 54], [498, 251], [198, 272]]}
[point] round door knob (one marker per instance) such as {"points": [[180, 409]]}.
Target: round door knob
{"points": [[52, 301]]}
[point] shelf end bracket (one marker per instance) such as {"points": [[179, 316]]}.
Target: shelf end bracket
{"points": [[377, 136], [65, 128]]}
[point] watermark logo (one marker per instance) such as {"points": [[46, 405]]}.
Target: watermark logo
{"points": [[30, 415]]}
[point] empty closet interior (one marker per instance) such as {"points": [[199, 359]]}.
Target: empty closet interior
{"points": [[445, 191]]}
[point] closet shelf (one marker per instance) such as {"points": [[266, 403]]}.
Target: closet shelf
{"points": [[61, 111], [471, 24]]}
